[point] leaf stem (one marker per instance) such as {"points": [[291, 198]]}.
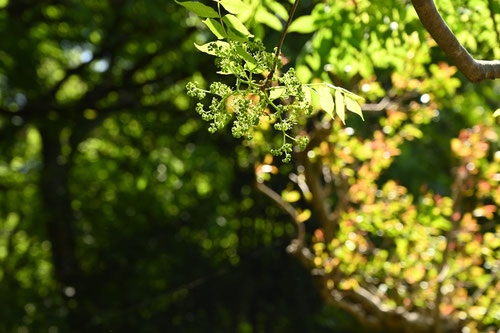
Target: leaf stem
{"points": [[220, 18], [280, 44]]}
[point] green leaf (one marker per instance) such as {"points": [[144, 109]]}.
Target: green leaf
{"points": [[353, 106], [441, 223], [234, 6], [236, 25], [346, 92], [199, 9], [339, 105], [264, 17], [216, 28], [205, 47], [236, 36], [326, 100], [307, 95], [251, 63], [278, 8], [276, 93], [304, 25], [496, 113]]}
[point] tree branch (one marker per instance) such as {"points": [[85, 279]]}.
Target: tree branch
{"points": [[474, 70], [280, 44], [7, 113], [301, 232], [319, 199], [495, 25], [370, 312]]}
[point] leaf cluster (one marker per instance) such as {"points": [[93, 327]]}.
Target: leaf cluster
{"points": [[281, 99]]}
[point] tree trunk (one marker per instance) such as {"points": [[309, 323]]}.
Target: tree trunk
{"points": [[59, 221]]}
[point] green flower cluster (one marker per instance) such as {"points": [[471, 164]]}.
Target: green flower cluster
{"points": [[282, 100]]}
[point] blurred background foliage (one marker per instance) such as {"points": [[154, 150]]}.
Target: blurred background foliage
{"points": [[118, 211]]}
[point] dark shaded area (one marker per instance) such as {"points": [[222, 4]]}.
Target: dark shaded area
{"points": [[119, 212]]}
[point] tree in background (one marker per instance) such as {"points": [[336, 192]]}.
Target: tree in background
{"points": [[116, 210], [115, 203], [394, 263]]}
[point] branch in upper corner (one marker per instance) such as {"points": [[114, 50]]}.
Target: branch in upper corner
{"points": [[474, 70]]}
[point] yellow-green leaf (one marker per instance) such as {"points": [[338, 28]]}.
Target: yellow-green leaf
{"points": [[251, 63], [236, 36], [278, 8], [353, 106], [205, 47], [303, 216], [307, 96], [235, 24], [199, 9], [216, 28], [245, 55], [339, 105], [304, 25], [326, 100], [234, 6], [292, 196], [276, 93], [264, 17]]}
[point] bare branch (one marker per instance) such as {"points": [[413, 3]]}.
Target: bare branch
{"points": [[354, 309], [372, 313], [495, 25], [301, 232], [280, 44], [474, 70], [377, 107], [319, 201]]}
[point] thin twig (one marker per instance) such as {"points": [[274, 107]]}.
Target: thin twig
{"points": [[278, 49], [301, 232]]}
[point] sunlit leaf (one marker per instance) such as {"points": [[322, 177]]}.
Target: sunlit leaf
{"points": [[278, 8], [216, 28], [276, 93], [234, 6], [264, 17], [353, 106], [303, 216], [236, 36], [346, 92], [307, 96], [291, 196], [304, 25], [232, 22], [339, 105], [348, 284], [199, 9], [326, 99], [250, 61], [224, 73], [205, 47]]}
